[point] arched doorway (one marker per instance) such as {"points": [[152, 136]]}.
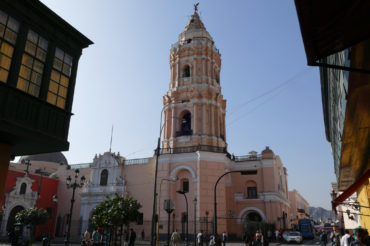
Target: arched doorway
{"points": [[11, 218], [252, 222]]}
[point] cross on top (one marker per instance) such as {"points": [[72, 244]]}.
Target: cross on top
{"points": [[196, 7], [26, 162]]}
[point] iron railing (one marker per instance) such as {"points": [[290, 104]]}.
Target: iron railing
{"points": [[184, 133], [190, 149]]}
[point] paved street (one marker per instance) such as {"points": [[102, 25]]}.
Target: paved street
{"points": [[306, 242]]}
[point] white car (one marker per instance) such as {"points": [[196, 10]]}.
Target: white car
{"points": [[293, 236]]}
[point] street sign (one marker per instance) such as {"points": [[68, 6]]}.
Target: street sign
{"points": [[169, 206]]}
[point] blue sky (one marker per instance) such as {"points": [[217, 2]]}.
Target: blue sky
{"points": [[273, 97]]}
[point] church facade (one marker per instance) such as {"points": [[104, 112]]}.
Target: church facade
{"points": [[193, 157]]}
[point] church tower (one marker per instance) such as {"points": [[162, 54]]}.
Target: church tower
{"points": [[194, 108]]}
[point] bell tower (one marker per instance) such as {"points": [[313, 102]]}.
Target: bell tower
{"points": [[194, 108]]}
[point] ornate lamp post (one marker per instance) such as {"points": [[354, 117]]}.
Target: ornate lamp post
{"points": [[195, 220], [157, 154], [207, 213], [55, 200], [159, 206], [242, 172], [187, 217], [73, 186]]}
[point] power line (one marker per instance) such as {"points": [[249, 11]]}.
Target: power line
{"points": [[276, 91], [286, 82], [255, 108]]}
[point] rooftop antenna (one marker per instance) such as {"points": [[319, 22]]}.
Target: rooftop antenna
{"points": [[111, 137]]}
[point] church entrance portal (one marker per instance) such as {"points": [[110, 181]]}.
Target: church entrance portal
{"points": [[11, 218], [252, 222]]}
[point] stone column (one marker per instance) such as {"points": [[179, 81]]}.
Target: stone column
{"points": [[195, 119]]}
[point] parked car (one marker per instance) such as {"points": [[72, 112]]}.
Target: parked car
{"points": [[293, 236]]}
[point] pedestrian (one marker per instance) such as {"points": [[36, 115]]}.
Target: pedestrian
{"points": [[132, 238], [269, 235], [362, 238], [96, 237], [245, 238], [212, 240], [345, 238], [224, 238], [142, 235], [200, 238], [127, 235], [258, 239], [276, 235], [335, 237], [323, 238], [86, 238], [175, 238]]}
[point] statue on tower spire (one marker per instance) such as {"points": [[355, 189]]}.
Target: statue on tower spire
{"points": [[196, 7]]}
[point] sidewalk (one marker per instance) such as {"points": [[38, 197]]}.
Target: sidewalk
{"points": [[136, 243]]}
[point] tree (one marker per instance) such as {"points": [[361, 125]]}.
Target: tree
{"points": [[32, 217], [114, 212]]}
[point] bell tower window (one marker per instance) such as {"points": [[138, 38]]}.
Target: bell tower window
{"points": [[185, 128], [186, 71]]}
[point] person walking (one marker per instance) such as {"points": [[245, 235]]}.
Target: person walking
{"points": [[96, 237], [132, 237], [335, 237], [175, 238], [245, 238], [200, 238], [276, 235], [258, 239], [323, 238], [86, 238], [212, 240], [224, 238], [345, 238], [362, 238]]}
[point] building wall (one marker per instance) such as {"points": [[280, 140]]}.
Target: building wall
{"points": [[47, 188]]}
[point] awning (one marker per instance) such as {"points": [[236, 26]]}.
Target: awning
{"points": [[350, 190], [331, 26]]}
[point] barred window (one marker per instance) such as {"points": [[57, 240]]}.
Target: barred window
{"points": [[8, 36], [252, 192], [33, 62]]}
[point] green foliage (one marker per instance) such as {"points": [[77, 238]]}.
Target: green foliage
{"points": [[32, 216], [116, 211]]}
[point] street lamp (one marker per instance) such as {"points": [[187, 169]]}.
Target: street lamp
{"points": [[55, 200], [159, 206], [242, 172], [207, 213], [73, 186], [157, 153], [187, 217], [195, 220]]}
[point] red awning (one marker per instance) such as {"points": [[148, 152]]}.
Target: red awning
{"points": [[330, 26], [350, 190]]}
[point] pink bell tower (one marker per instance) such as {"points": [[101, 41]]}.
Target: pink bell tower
{"points": [[194, 108]]}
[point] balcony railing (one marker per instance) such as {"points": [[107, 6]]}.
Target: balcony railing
{"points": [[139, 161], [184, 133], [191, 149], [245, 157]]}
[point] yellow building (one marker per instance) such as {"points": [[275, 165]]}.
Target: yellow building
{"points": [[337, 42]]}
